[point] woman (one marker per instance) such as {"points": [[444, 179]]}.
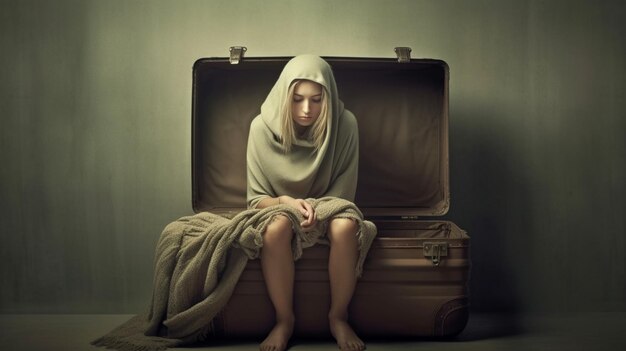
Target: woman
{"points": [[304, 144]]}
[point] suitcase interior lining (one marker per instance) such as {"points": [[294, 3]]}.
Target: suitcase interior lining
{"points": [[402, 164]]}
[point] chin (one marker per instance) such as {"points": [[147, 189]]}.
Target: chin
{"points": [[305, 123]]}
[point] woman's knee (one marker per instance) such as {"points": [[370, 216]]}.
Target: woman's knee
{"points": [[278, 231], [342, 229]]}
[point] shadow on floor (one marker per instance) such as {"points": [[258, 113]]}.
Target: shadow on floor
{"points": [[482, 327]]}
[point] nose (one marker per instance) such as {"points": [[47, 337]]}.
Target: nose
{"points": [[305, 107]]}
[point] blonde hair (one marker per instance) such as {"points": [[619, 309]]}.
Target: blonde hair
{"points": [[318, 128]]}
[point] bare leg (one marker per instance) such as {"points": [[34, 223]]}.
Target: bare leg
{"points": [[278, 271], [341, 265]]}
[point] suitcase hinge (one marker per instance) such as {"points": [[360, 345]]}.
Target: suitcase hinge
{"points": [[236, 54], [403, 53], [435, 251]]}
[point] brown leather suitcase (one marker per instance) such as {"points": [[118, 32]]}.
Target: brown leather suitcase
{"points": [[416, 275]]}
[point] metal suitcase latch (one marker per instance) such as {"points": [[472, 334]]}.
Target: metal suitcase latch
{"points": [[403, 53], [236, 54], [435, 251]]}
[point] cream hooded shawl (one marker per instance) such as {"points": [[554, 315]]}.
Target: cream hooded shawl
{"points": [[303, 172]]}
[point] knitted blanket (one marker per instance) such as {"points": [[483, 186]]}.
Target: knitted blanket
{"points": [[199, 260]]}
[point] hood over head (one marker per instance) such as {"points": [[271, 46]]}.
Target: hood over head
{"points": [[309, 67]]}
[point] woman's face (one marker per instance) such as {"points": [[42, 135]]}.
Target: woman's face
{"points": [[307, 103]]}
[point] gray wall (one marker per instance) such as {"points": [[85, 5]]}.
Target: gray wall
{"points": [[95, 100]]}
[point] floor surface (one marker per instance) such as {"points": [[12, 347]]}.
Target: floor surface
{"points": [[597, 331]]}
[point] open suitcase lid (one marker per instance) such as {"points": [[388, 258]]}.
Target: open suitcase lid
{"points": [[401, 106]]}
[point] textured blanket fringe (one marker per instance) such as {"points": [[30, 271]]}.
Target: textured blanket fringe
{"points": [[123, 345], [358, 270], [129, 336], [128, 345]]}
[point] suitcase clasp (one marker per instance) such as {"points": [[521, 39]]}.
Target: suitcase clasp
{"points": [[403, 53], [435, 251], [236, 54]]}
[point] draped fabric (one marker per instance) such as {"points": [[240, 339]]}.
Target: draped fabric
{"points": [[303, 172]]}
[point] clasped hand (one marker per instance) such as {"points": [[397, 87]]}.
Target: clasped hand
{"points": [[305, 209]]}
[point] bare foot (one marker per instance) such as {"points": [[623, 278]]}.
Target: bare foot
{"points": [[345, 336], [278, 338]]}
